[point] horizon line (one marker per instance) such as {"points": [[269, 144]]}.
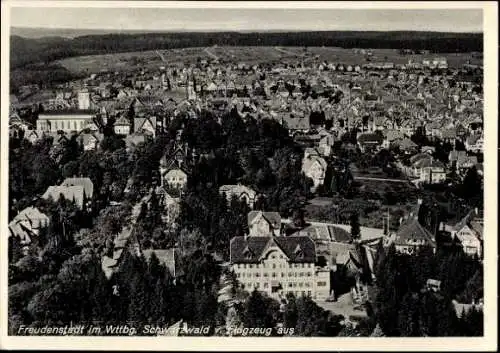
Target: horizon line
{"points": [[243, 30]]}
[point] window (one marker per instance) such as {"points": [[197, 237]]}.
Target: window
{"points": [[290, 285], [266, 285], [244, 265], [301, 274], [300, 284], [265, 274], [274, 274], [309, 293], [274, 265], [257, 274], [290, 274], [257, 285], [250, 266], [321, 284], [306, 284], [239, 275], [309, 274], [282, 274], [273, 256], [303, 265]]}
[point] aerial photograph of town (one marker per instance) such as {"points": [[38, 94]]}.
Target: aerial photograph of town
{"points": [[245, 172]]}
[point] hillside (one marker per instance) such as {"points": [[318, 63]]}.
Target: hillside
{"points": [[32, 50]]}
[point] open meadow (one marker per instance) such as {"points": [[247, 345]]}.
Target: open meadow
{"points": [[249, 55]]}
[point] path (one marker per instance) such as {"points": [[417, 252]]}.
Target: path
{"points": [[111, 264], [161, 56], [382, 179], [212, 55], [281, 50]]}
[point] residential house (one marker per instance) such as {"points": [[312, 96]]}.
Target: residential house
{"points": [[264, 224], [145, 125], [449, 135], [85, 182], [33, 135], [27, 224], [464, 308], [122, 126], [369, 141], [314, 166], [433, 285], [475, 143], [295, 122], [89, 142], [426, 169], [454, 156], [175, 179], [467, 233], [241, 192], [412, 237], [431, 171], [278, 266], [72, 193], [390, 136], [464, 163], [88, 188], [406, 145]]}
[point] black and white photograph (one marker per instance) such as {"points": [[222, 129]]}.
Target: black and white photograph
{"points": [[241, 170]]}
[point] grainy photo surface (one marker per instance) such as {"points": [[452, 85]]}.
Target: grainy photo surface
{"points": [[237, 172]]}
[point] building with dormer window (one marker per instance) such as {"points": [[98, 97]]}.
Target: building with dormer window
{"points": [[279, 265]]}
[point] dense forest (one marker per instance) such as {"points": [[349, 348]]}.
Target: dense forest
{"points": [[25, 51]]}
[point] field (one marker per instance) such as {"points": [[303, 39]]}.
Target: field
{"points": [[248, 55]]}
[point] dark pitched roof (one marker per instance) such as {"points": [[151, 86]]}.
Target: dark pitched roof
{"points": [[87, 184], [325, 232], [250, 249], [370, 138], [273, 218], [413, 230]]}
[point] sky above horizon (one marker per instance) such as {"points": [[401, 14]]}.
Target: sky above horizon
{"points": [[244, 19]]}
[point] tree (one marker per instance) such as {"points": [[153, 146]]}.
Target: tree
{"points": [[355, 226], [298, 218], [257, 312]]}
